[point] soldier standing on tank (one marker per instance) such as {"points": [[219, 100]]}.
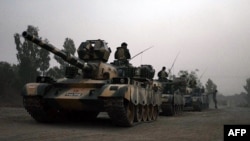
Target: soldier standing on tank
{"points": [[122, 53], [163, 74], [214, 98]]}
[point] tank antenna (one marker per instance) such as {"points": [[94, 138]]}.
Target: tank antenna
{"points": [[140, 52], [174, 62]]}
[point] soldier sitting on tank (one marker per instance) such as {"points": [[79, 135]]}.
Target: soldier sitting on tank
{"points": [[163, 75], [122, 54]]}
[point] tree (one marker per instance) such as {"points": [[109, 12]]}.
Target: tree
{"points": [[210, 86], [192, 78], [247, 88], [9, 77], [55, 72], [44, 59], [31, 58], [69, 48]]}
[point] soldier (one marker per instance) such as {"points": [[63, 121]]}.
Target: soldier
{"points": [[163, 74], [214, 98], [122, 53]]}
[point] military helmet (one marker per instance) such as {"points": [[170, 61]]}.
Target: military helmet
{"points": [[124, 44]]}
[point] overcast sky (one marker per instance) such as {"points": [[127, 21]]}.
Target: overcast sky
{"points": [[211, 35]]}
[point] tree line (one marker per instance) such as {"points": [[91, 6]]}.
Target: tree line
{"points": [[34, 61]]}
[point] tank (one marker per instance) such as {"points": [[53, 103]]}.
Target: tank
{"points": [[199, 99], [90, 86], [196, 99], [172, 97]]}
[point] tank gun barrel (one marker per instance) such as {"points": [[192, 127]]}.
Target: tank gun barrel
{"points": [[66, 57]]}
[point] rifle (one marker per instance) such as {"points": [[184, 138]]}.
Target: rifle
{"points": [[140, 52]]}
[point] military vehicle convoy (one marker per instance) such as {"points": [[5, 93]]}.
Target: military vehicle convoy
{"points": [[91, 86]]}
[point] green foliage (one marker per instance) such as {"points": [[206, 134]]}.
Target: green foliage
{"points": [[192, 78], [44, 60], [247, 88], [69, 48], [32, 60], [9, 77], [55, 72], [210, 86]]}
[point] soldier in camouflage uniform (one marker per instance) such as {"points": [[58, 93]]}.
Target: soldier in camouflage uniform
{"points": [[122, 53], [163, 74]]}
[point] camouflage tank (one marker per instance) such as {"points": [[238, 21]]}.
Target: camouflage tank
{"points": [[92, 86], [172, 97]]}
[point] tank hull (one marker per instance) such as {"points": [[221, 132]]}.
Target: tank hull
{"points": [[126, 104], [64, 97]]}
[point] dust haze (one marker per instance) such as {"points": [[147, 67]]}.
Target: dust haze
{"points": [[212, 36]]}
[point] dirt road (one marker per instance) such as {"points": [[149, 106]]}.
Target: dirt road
{"points": [[17, 125]]}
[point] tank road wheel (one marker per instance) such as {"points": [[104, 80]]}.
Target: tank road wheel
{"points": [[129, 108], [121, 112], [130, 112], [144, 112], [150, 112], [155, 112], [138, 113]]}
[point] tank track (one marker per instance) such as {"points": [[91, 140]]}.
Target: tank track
{"points": [[35, 107], [117, 110], [171, 110]]}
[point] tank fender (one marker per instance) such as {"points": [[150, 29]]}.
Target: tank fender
{"points": [[34, 89], [137, 95], [114, 91], [150, 97]]}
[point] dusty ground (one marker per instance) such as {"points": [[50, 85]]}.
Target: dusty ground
{"points": [[17, 125]]}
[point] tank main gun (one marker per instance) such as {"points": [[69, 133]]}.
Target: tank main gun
{"points": [[66, 57], [92, 57]]}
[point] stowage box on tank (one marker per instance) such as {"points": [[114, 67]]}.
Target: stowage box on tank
{"points": [[126, 93]]}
